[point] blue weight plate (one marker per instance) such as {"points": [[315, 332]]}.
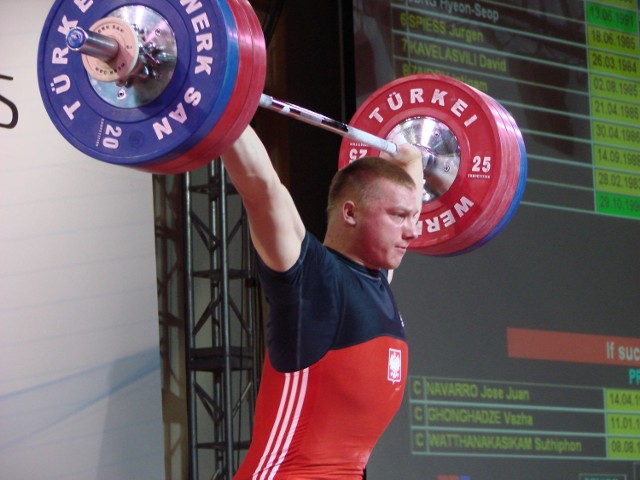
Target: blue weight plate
{"points": [[172, 123], [209, 148]]}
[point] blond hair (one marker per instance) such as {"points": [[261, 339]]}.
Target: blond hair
{"points": [[357, 180]]}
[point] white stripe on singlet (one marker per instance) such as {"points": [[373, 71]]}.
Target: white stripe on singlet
{"points": [[284, 427]]}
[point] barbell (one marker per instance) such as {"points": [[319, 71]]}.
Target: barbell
{"points": [[166, 87]]}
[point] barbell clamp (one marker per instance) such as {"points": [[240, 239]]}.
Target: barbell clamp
{"points": [[93, 44]]}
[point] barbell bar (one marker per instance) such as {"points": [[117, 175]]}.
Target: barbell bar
{"points": [[105, 49], [326, 123], [166, 89]]}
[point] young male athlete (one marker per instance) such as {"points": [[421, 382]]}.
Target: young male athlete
{"points": [[336, 366]]}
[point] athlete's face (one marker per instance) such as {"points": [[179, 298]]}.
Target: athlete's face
{"points": [[387, 222]]}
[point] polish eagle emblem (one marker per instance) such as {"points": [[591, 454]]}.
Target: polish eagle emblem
{"points": [[394, 368]]}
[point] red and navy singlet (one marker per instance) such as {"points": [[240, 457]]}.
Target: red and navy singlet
{"points": [[335, 371]]}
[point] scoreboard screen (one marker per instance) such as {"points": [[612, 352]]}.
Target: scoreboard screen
{"points": [[525, 353]]}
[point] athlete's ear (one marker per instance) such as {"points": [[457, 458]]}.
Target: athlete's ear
{"points": [[349, 212]]}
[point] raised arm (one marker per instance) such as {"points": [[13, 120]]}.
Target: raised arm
{"points": [[276, 228]]}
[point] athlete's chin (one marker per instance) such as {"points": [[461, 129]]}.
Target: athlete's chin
{"points": [[395, 261], [390, 259]]}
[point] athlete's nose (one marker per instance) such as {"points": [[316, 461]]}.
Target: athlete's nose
{"points": [[413, 230]]}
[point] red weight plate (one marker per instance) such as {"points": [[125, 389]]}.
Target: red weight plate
{"points": [[522, 179], [256, 86], [517, 170], [208, 149], [461, 211], [219, 141], [244, 105], [498, 203], [507, 187]]}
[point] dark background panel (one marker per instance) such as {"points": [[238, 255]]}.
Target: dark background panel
{"points": [[557, 269]]}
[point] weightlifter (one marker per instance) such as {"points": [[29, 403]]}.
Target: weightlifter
{"points": [[336, 366]]}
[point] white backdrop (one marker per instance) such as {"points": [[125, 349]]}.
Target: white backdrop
{"points": [[79, 349]]}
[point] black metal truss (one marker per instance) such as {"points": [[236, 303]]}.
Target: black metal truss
{"points": [[169, 226], [223, 324]]}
